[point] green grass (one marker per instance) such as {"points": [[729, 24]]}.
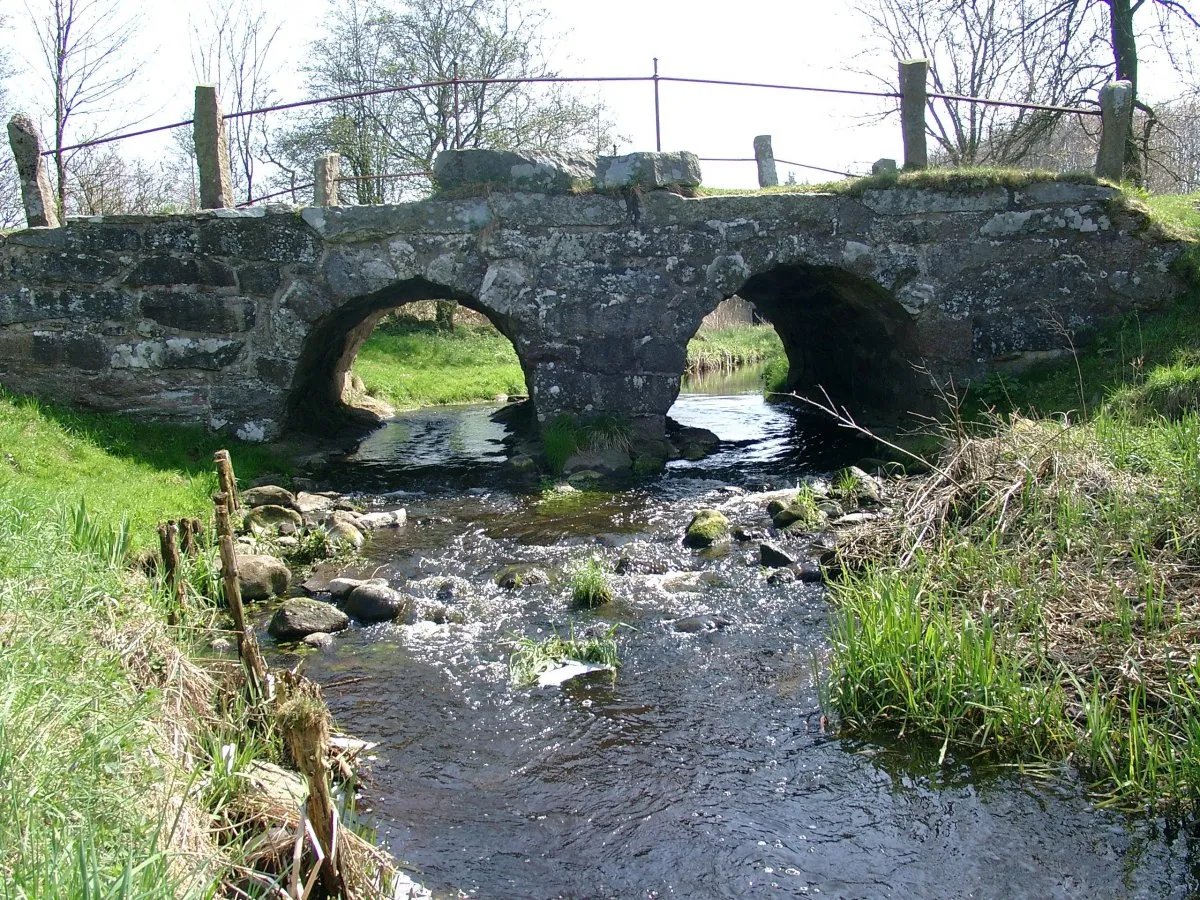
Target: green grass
{"points": [[590, 582], [87, 667], [1033, 599], [533, 657], [409, 364], [967, 179], [120, 467], [732, 347], [564, 436]]}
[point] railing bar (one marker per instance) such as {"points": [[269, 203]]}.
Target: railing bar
{"points": [[118, 137], [1014, 104]]}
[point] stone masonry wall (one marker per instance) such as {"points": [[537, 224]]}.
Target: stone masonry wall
{"points": [[244, 321]]}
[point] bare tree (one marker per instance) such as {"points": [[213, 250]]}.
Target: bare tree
{"points": [[103, 182], [231, 48], [85, 46], [1032, 51], [11, 210], [373, 44]]}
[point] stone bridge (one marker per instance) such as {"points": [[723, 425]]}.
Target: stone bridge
{"points": [[248, 321]]}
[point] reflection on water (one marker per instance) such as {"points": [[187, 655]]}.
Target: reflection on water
{"points": [[705, 771]]}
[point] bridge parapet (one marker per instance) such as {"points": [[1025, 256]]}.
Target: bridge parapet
{"points": [[249, 321]]}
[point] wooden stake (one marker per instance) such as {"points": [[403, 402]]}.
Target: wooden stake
{"points": [[226, 479], [304, 722], [169, 547], [256, 667], [189, 535]]}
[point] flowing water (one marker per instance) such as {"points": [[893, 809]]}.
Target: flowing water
{"points": [[707, 769]]}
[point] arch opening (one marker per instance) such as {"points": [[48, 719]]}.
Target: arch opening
{"points": [[322, 398], [842, 334]]}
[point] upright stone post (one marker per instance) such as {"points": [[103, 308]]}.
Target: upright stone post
{"points": [[1116, 120], [26, 143], [765, 157], [326, 171], [913, 75], [212, 150]]}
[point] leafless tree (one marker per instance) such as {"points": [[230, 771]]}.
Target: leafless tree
{"points": [[104, 182], [1032, 51], [86, 49], [11, 211], [231, 48], [374, 44]]}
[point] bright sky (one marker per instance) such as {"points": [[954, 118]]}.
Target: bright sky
{"points": [[808, 42]]}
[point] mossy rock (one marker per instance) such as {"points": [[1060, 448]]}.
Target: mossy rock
{"points": [[517, 576], [800, 516], [707, 527]]}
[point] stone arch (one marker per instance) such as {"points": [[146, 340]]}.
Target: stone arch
{"points": [[315, 401], [841, 332]]}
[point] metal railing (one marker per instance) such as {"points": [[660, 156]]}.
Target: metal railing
{"points": [[913, 97]]}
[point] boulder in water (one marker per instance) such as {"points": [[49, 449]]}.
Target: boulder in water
{"points": [[261, 576], [706, 528], [375, 603], [299, 617], [269, 495]]}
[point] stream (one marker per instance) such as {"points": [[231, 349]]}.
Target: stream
{"points": [[708, 769]]}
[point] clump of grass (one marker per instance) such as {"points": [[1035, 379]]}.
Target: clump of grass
{"points": [[908, 655], [560, 441], [1033, 598], [107, 543], [775, 375], [533, 657], [565, 436], [1169, 391], [590, 581]]}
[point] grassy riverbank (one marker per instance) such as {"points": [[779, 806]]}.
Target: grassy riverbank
{"points": [[1037, 597], [732, 347], [408, 363], [95, 688]]}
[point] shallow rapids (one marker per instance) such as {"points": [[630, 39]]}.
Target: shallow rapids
{"points": [[709, 769]]}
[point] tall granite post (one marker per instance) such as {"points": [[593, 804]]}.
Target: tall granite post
{"points": [[1116, 117], [765, 157], [913, 75], [212, 150], [326, 171], [26, 143]]}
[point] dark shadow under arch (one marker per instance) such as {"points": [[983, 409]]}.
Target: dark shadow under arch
{"points": [[315, 402], [842, 333]]}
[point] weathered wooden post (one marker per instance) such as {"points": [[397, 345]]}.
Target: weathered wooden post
{"points": [[227, 480], [212, 150], [326, 171], [913, 75], [26, 142], [304, 722], [256, 666], [1116, 121], [765, 157], [168, 535]]}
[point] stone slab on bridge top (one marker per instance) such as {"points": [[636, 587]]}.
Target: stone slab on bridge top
{"points": [[249, 322]]}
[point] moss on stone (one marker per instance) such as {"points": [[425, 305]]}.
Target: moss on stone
{"points": [[707, 527]]}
